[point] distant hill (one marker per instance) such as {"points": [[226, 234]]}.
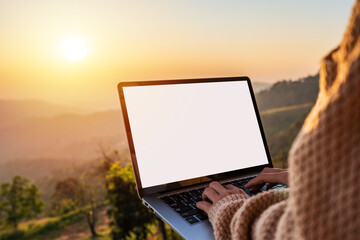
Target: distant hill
{"points": [[260, 86], [14, 111], [63, 136], [288, 93]]}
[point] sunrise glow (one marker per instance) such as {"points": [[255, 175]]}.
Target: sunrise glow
{"points": [[75, 53], [74, 48]]}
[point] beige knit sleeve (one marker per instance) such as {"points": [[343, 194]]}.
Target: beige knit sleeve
{"points": [[221, 213], [255, 212], [235, 216]]}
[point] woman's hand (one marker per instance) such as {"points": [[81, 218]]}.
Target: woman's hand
{"points": [[216, 192], [269, 176]]}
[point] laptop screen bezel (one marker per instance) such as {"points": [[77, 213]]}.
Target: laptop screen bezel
{"points": [[180, 184]]}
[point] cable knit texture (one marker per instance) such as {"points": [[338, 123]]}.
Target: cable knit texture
{"points": [[324, 164]]}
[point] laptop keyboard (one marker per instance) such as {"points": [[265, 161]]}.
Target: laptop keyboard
{"points": [[184, 203]]}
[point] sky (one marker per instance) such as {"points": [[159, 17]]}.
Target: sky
{"points": [[118, 40]]}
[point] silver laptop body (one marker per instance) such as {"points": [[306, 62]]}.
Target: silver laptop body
{"points": [[182, 135]]}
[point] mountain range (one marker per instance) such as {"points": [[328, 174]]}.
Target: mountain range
{"points": [[67, 135]]}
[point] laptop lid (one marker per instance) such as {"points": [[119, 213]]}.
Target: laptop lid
{"points": [[186, 132]]}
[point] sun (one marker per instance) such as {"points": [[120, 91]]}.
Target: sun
{"points": [[74, 48]]}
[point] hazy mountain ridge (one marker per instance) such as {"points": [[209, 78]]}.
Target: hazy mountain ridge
{"points": [[288, 93], [260, 86], [14, 111], [63, 136]]}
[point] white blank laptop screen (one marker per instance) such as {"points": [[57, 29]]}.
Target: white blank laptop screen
{"points": [[184, 131]]}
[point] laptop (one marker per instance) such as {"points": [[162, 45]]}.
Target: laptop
{"points": [[183, 134]]}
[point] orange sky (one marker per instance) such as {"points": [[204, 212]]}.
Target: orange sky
{"points": [[266, 40]]}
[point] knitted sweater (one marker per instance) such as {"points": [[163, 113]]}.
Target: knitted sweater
{"points": [[323, 201]]}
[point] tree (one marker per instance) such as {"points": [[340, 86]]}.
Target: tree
{"points": [[68, 195], [71, 194], [19, 200], [128, 214]]}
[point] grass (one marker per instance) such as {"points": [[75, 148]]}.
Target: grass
{"points": [[103, 234], [47, 228], [54, 227], [282, 109], [31, 223], [69, 226]]}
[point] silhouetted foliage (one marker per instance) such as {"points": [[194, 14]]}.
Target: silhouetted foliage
{"points": [[19, 200]]}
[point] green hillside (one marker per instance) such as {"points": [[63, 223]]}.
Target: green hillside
{"points": [[283, 109], [289, 93], [278, 119], [281, 126]]}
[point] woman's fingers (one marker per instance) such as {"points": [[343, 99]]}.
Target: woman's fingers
{"points": [[234, 190], [268, 176], [216, 192], [219, 188], [203, 205], [256, 183], [210, 194]]}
